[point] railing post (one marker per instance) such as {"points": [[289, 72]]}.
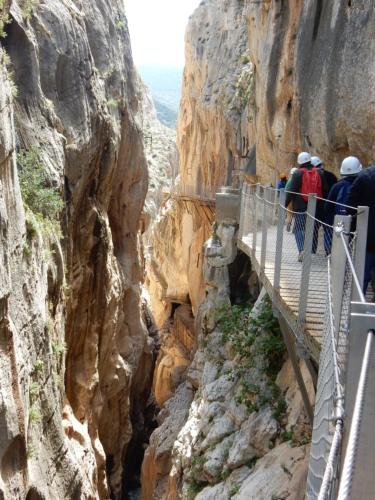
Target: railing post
{"points": [[265, 221], [255, 229], [306, 263], [363, 477], [243, 211], [279, 239], [360, 247], [338, 265]]}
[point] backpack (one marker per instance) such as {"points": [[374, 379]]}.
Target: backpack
{"points": [[342, 196], [311, 183]]}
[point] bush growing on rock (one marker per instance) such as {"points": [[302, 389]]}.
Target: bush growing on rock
{"points": [[257, 342], [42, 200]]}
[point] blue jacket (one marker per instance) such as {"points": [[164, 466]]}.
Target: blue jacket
{"points": [[330, 209]]}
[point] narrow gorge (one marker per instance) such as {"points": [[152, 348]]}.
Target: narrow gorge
{"points": [[136, 359]]}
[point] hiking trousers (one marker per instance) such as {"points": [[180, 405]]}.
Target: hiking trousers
{"points": [[299, 232]]}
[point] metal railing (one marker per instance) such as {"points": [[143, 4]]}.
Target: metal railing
{"points": [[314, 273]]}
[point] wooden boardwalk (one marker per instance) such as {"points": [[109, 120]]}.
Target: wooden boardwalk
{"points": [[201, 200], [287, 297]]}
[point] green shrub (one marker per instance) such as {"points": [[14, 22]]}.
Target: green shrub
{"points": [[234, 490], [258, 343], [34, 390], [193, 489], [37, 192], [58, 348], [30, 451], [38, 366], [27, 8], [4, 20], [286, 436], [34, 415]]}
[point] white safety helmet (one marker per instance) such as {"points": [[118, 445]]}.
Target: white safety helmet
{"points": [[316, 161], [350, 166], [293, 170], [303, 158]]}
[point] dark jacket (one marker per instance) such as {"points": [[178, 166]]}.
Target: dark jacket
{"points": [[330, 178], [281, 184], [363, 193], [330, 209], [299, 205]]}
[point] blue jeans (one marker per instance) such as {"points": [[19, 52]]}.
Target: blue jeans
{"points": [[369, 270], [299, 232]]}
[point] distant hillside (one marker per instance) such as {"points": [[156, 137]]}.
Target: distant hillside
{"points": [[165, 85]]}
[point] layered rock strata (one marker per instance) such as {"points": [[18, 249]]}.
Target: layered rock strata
{"points": [[217, 90], [264, 80], [66, 425]]}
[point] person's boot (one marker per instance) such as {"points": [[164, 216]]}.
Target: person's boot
{"points": [[300, 256]]}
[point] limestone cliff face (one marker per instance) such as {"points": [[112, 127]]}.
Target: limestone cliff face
{"points": [[313, 81], [210, 137], [65, 423], [264, 80]]}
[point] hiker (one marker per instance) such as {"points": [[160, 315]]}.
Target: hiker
{"points": [[330, 180], [339, 192], [305, 181], [282, 182], [289, 214], [362, 192], [330, 177]]}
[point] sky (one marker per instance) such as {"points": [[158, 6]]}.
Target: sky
{"points": [[157, 29]]}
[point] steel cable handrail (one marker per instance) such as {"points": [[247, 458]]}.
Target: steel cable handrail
{"points": [[339, 410]]}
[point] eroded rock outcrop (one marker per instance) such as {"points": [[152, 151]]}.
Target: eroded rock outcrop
{"points": [[77, 106], [244, 433]]}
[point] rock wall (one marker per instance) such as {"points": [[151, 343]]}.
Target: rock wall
{"points": [[210, 136], [75, 353], [313, 70], [264, 80]]}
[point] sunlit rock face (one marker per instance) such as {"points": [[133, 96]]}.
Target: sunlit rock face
{"points": [[215, 97], [268, 80], [313, 81], [174, 267], [77, 103]]}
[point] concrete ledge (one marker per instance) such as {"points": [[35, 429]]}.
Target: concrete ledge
{"points": [[228, 202]]}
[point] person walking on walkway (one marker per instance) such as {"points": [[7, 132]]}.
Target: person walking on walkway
{"points": [[282, 182], [362, 192], [330, 181], [338, 195], [289, 214], [329, 177], [305, 181]]}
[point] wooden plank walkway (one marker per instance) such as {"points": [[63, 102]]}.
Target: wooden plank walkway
{"points": [[287, 297]]}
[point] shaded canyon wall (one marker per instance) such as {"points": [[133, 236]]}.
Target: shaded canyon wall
{"points": [[75, 354]]}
